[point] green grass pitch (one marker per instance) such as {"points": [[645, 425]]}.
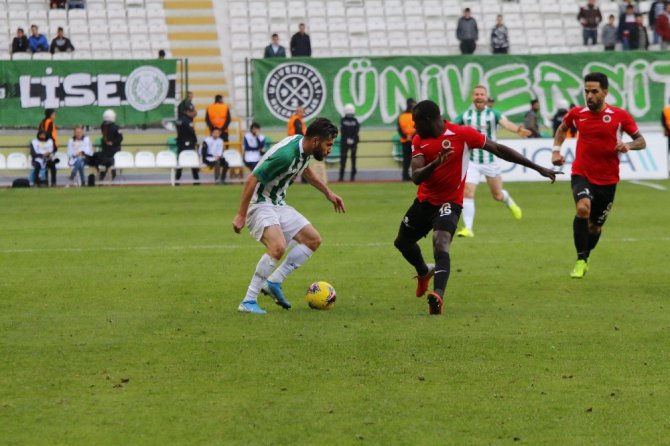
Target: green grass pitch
{"points": [[118, 324]]}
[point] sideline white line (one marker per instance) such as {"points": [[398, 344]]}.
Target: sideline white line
{"points": [[647, 184], [335, 245]]}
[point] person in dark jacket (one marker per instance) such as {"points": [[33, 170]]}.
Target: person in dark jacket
{"points": [[467, 32], [590, 17], [61, 43], [557, 119], [186, 137], [349, 128], [301, 46], [111, 143], [274, 49], [499, 37], [20, 42], [627, 24], [639, 37]]}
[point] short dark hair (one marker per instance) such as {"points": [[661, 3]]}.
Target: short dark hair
{"points": [[534, 101], [596, 76], [218, 98], [466, 10], [427, 110], [611, 16], [20, 29], [275, 35], [60, 28], [322, 128], [161, 53], [48, 112], [255, 125]]}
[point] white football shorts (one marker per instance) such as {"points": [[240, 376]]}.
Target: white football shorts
{"points": [[262, 215], [476, 170]]}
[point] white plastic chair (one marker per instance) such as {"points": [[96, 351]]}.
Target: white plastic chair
{"points": [[188, 159], [17, 160], [145, 159], [62, 161], [123, 160], [235, 163], [3, 161], [166, 158]]}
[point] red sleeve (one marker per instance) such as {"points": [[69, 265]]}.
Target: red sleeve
{"points": [[628, 125], [569, 118], [473, 138], [416, 146]]}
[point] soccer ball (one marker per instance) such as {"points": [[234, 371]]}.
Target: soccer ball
{"points": [[320, 296]]}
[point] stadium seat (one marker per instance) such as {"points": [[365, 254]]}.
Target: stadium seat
{"points": [[188, 159], [235, 163], [17, 161], [166, 158], [145, 159], [62, 56], [42, 56], [3, 161], [124, 160], [62, 161]]}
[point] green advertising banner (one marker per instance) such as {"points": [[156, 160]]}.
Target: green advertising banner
{"points": [[140, 91], [379, 86]]}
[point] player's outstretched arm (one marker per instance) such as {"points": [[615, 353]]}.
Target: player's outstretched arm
{"points": [[315, 181], [516, 128], [247, 192], [422, 171], [561, 133], [638, 143], [511, 155]]}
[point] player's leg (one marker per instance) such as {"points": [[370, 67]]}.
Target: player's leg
{"points": [[603, 199], [473, 176], [495, 183], [406, 160], [444, 225], [344, 149], [582, 194], [295, 227], [414, 226], [353, 148]]}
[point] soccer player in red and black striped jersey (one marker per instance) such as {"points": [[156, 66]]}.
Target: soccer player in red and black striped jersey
{"points": [[440, 154], [595, 171]]}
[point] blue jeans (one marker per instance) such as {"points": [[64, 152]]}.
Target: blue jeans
{"points": [[78, 167], [590, 34]]}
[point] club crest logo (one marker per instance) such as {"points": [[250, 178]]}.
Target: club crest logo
{"points": [[146, 88], [292, 85], [607, 119]]}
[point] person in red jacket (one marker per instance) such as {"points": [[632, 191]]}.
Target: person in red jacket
{"points": [[663, 27]]}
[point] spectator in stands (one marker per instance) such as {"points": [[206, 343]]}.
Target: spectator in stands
{"points": [[161, 54], [37, 42], [296, 123], [61, 43], [79, 153], [467, 32], [656, 9], [57, 4], [499, 37], [406, 131], [627, 24], [186, 137], [639, 37], [557, 119], [589, 16], [663, 27], [608, 34], [254, 146], [665, 122], [48, 124], [212, 155], [41, 152], [490, 102], [626, 3], [532, 119], [274, 49], [76, 4], [349, 129], [111, 143], [20, 42], [218, 117], [301, 46]]}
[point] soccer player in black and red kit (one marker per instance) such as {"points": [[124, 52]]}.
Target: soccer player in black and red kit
{"points": [[440, 153], [595, 171]]}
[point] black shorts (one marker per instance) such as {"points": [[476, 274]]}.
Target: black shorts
{"points": [[602, 197], [421, 218]]}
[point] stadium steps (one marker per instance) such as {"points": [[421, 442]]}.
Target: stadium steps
{"points": [[193, 35]]}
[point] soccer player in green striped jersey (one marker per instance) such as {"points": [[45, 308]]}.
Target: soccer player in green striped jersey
{"points": [[485, 120], [271, 221]]}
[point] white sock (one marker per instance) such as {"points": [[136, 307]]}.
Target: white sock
{"points": [[291, 244], [469, 212], [264, 268], [293, 260], [507, 199]]}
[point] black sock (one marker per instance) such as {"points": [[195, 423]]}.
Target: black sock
{"points": [[412, 253], [442, 271], [593, 240], [580, 227]]}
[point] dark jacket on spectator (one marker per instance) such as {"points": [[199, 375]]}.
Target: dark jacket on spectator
{"points": [[349, 128], [589, 17], [61, 45], [467, 29], [639, 38], [301, 45], [20, 45], [111, 138], [281, 52], [625, 28]]}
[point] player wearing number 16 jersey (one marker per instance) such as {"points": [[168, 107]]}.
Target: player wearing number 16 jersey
{"points": [[440, 153]]}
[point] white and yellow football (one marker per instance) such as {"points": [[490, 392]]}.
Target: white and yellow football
{"points": [[320, 296]]}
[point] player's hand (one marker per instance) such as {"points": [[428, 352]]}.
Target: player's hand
{"points": [[621, 147], [444, 155], [523, 132], [238, 223], [557, 159], [549, 173], [337, 201]]}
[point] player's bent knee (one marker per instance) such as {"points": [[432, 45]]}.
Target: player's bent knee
{"points": [[313, 243], [583, 208]]}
